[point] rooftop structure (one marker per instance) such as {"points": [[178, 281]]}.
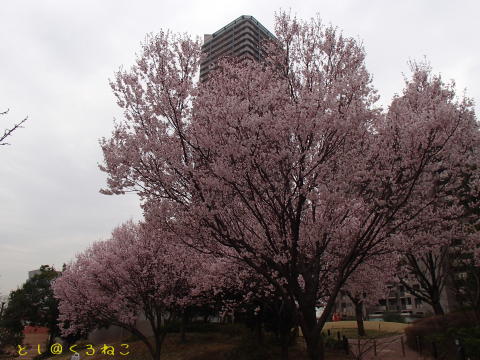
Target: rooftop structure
{"points": [[32, 273], [240, 38]]}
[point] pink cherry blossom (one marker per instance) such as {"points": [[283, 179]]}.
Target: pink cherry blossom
{"points": [[287, 165], [135, 272]]}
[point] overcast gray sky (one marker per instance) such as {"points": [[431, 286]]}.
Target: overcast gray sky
{"points": [[57, 56]]}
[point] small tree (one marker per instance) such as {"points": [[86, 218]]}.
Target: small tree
{"points": [[134, 272], [425, 270], [368, 284], [425, 276], [34, 304], [11, 329]]}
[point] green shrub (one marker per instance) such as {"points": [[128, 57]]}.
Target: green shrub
{"points": [[443, 330], [470, 339], [10, 336], [393, 317], [332, 343]]}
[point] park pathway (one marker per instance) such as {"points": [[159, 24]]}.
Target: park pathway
{"points": [[387, 348]]}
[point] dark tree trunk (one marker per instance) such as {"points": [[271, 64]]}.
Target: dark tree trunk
{"points": [[154, 345], [283, 348], [287, 319], [311, 327], [258, 330], [50, 339], [158, 346], [311, 333], [437, 308], [284, 334], [314, 343], [183, 325], [359, 318]]}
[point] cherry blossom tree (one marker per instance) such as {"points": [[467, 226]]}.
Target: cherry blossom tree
{"points": [[425, 276], [368, 284], [287, 165], [425, 270], [115, 281]]}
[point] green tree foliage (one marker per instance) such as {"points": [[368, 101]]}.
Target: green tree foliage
{"points": [[11, 330], [32, 304]]}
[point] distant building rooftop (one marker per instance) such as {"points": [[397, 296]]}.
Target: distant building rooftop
{"points": [[240, 38], [32, 273]]}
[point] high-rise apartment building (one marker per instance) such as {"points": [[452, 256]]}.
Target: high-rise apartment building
{"points": [[242, 38]]}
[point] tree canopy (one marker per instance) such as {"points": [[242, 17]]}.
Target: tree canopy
{"points": [[287, 165]]}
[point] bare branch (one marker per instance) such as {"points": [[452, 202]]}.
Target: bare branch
{"points": [[9, 131]]}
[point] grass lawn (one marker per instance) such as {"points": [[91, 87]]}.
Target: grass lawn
{"points": [[352, 333]]}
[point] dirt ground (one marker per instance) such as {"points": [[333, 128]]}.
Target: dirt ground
{"points": [[30, 347], [201, 346], [220, 346]]}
